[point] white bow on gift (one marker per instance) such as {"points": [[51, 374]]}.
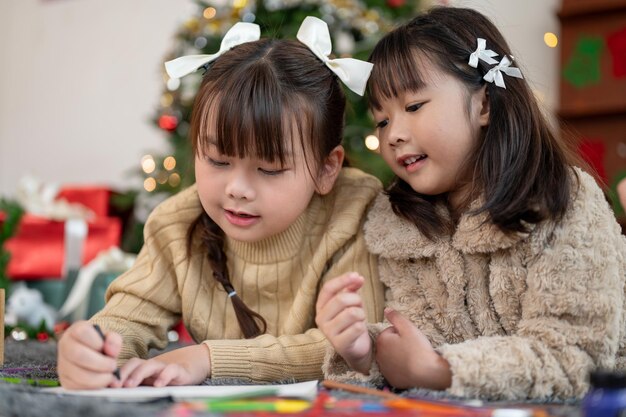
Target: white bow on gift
{"points": [[240, 33], [482, 54], [353, 72], [495, 73]]}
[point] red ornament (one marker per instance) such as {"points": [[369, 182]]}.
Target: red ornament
{"points": [[43, 336], [168, 122], [395, 3]]}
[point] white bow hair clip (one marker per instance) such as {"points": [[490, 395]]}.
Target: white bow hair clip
{"points": [[353, 72], [240, 33], [495, 73], [482, 54]]}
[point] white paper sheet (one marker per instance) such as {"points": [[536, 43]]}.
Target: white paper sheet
{"points": [[304, 390]]}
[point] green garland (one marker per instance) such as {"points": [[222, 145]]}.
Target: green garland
{"points": [[12, 214]]}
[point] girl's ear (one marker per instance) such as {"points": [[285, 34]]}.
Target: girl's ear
{"points": [[329, 171], [483, 96]]}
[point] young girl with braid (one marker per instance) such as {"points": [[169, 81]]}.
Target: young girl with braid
{"points": [[504, 264], [241, 255]]}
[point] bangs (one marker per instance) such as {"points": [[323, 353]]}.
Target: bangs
{"points": [[396, 69], [248, 117]]}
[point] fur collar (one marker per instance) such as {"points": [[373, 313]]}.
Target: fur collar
{"points": [[393, 237]]}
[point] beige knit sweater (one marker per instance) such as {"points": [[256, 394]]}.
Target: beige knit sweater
{"points": [[278, 278]]}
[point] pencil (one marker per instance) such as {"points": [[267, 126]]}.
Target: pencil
{"points": [[99, 330], [359, 389]]}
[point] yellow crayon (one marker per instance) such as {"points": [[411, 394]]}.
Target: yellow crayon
{"points": [[277, 406]]}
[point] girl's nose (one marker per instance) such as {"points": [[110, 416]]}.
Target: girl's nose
{"points": [[239, 187], [397, 134]]}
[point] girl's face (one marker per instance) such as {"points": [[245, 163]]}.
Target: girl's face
{"points": [[427, 135], [251, 199]]}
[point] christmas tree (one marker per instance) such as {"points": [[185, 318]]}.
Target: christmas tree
{"points": [[355, 27]]}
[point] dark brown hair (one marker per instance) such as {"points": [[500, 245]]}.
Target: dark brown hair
{"points": [[250, 101], [519, 165]]}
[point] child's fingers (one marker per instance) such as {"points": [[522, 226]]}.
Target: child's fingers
{"points": [[74, 353], [338, 325], [169, 375], [146, 369], [128, 368], [347, 318], [83, 332], [399, 322], [75, 377], [341, 303], [331, 288], [112, 344]]}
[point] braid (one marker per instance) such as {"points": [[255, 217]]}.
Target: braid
{"points": [[213, 239]]}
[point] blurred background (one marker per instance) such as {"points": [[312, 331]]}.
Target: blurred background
{"points": [[89, 117], [82, 81]]}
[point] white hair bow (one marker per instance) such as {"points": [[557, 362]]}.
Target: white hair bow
{"points": [[495, 73], [353, 72], [240, 33], [482, 54]]}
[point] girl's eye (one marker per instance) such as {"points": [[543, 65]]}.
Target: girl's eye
{"points": [[382, 124], [216, 163], [271, 172], [413, 107]]}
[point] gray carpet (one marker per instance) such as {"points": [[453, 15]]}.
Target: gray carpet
{"points": [[36, 360]]}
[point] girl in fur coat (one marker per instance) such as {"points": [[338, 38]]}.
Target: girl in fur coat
{"points": [[504, 264]]}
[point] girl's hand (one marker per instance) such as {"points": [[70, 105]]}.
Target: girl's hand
{"points": [[407, 359], [84, 360], [341, 317], [189, 365]]}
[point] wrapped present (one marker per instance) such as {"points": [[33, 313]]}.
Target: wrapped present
{"points": [[38, 248], [63, 229]]}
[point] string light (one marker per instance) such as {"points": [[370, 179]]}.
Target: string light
{"points": [[550, 39], [149, 184], [209, 13], [167, 99], [169, 163], [372, 143], [147, 164], [161, 177], [174, 180]]}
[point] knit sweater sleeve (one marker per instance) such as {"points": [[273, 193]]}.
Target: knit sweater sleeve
{"points": [[571, 313], [143, 303]]}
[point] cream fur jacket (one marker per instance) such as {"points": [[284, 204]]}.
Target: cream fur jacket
{"points": [[516, 316]]}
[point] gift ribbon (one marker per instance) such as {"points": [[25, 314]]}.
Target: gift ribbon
{"points": [[112, 260], [40, 199]]}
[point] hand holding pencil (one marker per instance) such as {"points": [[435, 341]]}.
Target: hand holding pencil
{"points": [[86, 358]]}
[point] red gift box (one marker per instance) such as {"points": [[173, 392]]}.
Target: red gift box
{"points": [[38, 248], [94, 198]]}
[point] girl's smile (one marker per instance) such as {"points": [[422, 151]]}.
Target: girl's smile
{"points": [[240, 218], [412, 162]]}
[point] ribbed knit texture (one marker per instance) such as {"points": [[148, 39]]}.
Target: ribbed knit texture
{"points": [[278, 277]]}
